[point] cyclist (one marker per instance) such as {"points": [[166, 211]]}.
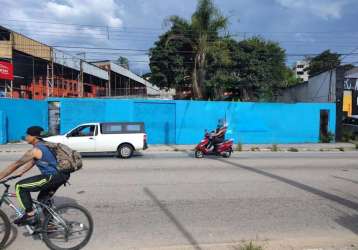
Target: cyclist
{"points": [[46, 183]]}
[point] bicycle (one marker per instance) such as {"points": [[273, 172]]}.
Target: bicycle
{"points": [[52, 223]]}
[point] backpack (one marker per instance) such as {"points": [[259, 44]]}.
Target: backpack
{"points": [[68, 160]]}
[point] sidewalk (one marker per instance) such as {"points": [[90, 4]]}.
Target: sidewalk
{"points": [[267, 147], [22, 147]]}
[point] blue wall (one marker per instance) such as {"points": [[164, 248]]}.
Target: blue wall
{"points": [[20, 114], [179, 122], [184, 122], [3, 133]]}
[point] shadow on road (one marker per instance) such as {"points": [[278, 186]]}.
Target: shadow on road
{"points": [[349, 221], [64, 200], [107, 155], [345, 179], [332, 197], [175, 221]]}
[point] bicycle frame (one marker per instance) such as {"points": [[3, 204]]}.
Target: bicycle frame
{"points": [[5, 198]]}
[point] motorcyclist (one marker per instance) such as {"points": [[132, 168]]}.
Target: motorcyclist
{"points": [[219, 135]]}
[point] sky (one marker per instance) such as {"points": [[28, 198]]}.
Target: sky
{"points": [[113, 28]]}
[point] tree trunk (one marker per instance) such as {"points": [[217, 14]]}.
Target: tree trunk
{"points": [[201, 73], [197, 93]]}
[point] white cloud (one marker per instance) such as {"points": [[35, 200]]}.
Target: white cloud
{"points": [[323, 8], [104, 12], [90, 12]]}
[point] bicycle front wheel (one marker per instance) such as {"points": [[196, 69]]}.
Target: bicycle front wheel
{"points": [[5, 229], [69, 229]]}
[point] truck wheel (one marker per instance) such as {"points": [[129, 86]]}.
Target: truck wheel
{"points": [[125, 151]]}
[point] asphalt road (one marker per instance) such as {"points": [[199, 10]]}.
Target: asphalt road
{"points": [[173, 201]]}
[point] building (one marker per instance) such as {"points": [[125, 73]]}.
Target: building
{"points": [[123, 82], [300, 69], [33, 70], [337, 86], [350, 94]]}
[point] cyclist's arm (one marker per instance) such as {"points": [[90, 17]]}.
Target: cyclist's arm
{"points": [[27, 157], [26, 168]]}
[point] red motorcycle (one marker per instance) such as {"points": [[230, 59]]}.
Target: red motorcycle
{"points": [[223, 149]]}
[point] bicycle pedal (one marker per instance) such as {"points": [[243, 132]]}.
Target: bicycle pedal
{"points": [[30, 230]]}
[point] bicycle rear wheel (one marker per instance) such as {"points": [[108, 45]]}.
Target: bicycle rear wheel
{"points": [[5, 229], [70, 229]]}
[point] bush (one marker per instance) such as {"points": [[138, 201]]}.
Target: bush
{"points": [[356, 145], [341, 149], [293, 150], [326, 138], [274, 148], [347, 135], [251, 246], [239, 147], [255, 149]]}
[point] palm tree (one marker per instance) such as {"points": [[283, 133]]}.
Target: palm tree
{"points": [[201, 32]]}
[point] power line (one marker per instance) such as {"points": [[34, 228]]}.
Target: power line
{"points": [[161, 29]]}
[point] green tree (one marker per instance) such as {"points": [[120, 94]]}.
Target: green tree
{"points": [[323, 62], [171, 63], [261, 69], [193, 55], [198, 34], [123, 61]]}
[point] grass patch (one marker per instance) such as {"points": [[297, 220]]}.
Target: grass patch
{"points": [[254, 149], [341, 149], [356, 145], [274, 148], [239, 147], [293, 150], [251, 246]]}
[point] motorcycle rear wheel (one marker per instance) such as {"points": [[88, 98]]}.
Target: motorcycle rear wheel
{"points": [[199, 154], [226, 154]]}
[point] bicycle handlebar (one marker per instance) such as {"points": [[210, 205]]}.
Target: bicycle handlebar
{"points": [[9, 179]]}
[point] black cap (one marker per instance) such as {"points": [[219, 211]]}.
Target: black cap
{"points": [[34, 131]]}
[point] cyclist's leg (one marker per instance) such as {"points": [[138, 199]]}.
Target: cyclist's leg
{"points": [[51, 187], [23, 193]]}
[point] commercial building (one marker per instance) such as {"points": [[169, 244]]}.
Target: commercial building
{"points": [[32, 70]]}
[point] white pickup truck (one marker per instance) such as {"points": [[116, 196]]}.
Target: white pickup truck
{"points": [[122, 138]]}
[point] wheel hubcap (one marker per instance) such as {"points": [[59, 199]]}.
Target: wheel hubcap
{"points": [[125, 151]]}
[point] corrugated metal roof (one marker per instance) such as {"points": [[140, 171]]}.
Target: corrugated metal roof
{"points": [[35, 48], [66, 60], [94, 70], [151, 89]]}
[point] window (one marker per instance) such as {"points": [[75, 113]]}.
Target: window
{"points": [[87, 130], [111, 128], [122, 128], [134, 128]]}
